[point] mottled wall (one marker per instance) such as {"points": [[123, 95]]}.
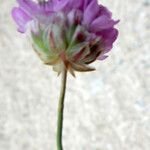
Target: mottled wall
{"points": [[108, 109]]}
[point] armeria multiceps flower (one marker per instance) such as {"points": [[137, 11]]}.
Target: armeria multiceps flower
{"points": [[70, 32]]}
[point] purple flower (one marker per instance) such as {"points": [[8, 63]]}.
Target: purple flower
{"points": [[73, 32]]}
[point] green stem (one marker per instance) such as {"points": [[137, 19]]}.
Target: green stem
{"points": [[61, 109]]}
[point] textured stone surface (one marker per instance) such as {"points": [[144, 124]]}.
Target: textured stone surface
{"points": [[108, 109]]}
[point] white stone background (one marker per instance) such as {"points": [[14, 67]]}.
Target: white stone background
{"points": [[108, 109]]}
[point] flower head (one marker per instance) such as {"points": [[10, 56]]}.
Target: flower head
{"points": [[70, 32]]}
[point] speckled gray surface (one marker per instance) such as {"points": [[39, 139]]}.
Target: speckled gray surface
{"points": [[108, 109]]}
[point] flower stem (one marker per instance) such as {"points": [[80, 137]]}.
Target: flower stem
{"points": [[61, 109]]}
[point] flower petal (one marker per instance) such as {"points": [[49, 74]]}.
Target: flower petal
{"points": [[28, 6], [34, 9], [75, 4], [105, 11], [59, 4], [21, 18], [108, 38], [86, 3], [90, 12], [74, 17], [102, 57], [102, 22]]}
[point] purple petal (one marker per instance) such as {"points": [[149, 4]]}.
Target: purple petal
{"points": [[101, 23], [47, 8], [66, 5], [90, 12], [74, 17], [108, 38], [28, 6], [75, 4], [34, 9], [105, 11], [59, 4], [102, 57], [21, 18]]}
